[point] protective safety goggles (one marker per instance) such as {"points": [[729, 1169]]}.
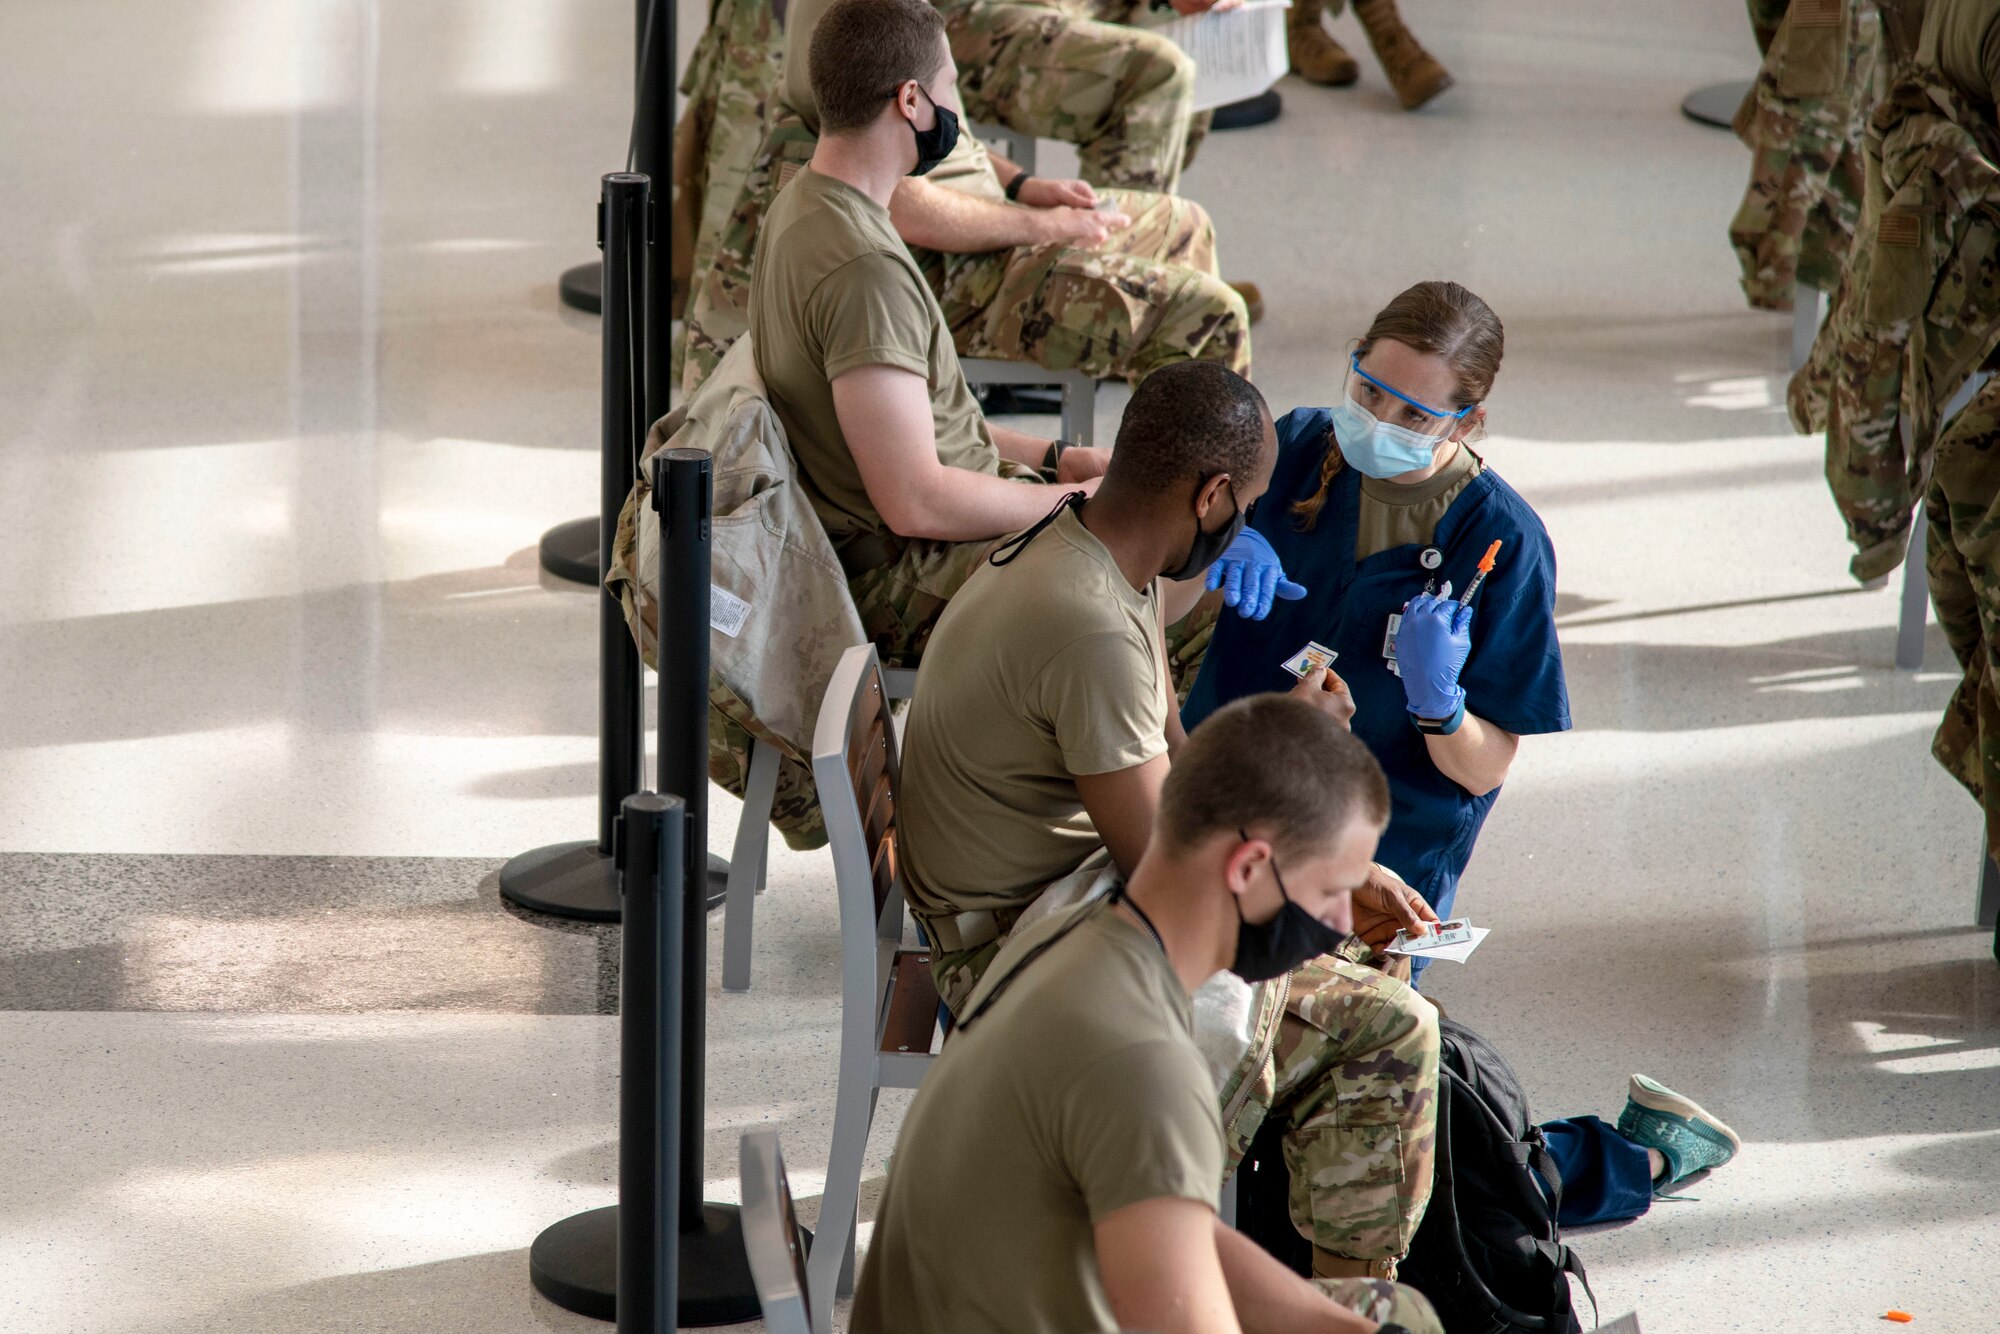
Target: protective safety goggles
{"points": [[1393, 407]]}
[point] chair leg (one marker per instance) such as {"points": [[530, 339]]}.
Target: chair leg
{"points": [[1806, 310], [747, 865], [1916, 603], [1079, 407], [1228, 1210], [830, 1264], [1986, 899]]}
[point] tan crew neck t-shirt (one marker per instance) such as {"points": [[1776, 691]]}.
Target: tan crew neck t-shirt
{"points": [[1041, 669], [1394, 516], [1080, 1091], [834, 289], [1962, 37]]}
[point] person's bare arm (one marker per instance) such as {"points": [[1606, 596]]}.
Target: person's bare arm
{"points": [[1160, 1268], [936, 217], [1121, 805], [1078, 463], [885, 416], [1269, 1298], [1477, 756]]}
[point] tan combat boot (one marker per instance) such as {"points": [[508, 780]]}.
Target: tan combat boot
{"points": [[1413, 73], [1315, 55]]}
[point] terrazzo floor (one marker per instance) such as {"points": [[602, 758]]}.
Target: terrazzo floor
{"points": [[289, 398]]}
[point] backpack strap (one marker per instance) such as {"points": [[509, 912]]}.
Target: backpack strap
{"points": [[1567, 1261]]}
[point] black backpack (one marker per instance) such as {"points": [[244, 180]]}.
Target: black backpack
{"points": [[1488, 1252]]}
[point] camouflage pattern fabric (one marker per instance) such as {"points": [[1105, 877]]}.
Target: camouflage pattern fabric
{"points": [[1384, 1302], [1917, 312], [1962, 508], [1765, 16], [1803, 122], [718, 311], [1074, 70], [1353, 1073], [1146, 297], [732, 78]]}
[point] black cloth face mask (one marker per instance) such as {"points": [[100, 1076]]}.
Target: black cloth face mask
{"points": [[935, 144], [1208, 547], [1265, 950]]}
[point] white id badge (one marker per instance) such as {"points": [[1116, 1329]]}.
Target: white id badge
{"points": [[1389, 642]]}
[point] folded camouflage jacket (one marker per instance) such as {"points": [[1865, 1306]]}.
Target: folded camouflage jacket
{"points": [[1917, 311], [782, 614]]}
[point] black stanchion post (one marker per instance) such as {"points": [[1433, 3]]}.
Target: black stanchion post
{"points": [[716, 1285], [652, 853], [578, 879]]}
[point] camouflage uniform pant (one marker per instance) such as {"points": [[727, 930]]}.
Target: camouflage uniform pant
{"points": [[1146, 297], [1352, 1070], [1804, 122], [1962, 508], [900, 603], [1072, 70], [1383, 1302], [1353, 1074]]}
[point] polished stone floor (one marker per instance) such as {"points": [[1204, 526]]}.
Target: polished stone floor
{"points": [[288, 398]]}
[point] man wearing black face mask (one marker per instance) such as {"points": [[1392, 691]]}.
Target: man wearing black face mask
{"points": [[1041, 733], [908, 478], [1059, 1169]]}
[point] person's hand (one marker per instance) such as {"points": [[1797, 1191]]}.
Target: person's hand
{"points": [[1386, 905], [1431, 647], [1041, 192], [1324, 690], [1081, 462], [1250, 576], [1080, 226]]}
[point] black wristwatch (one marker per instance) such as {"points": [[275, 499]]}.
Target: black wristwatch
{"points": [[1014, 187], [1051, 459], [1392, 1329]]}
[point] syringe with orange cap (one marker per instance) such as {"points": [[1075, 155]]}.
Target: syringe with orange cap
{"points": [[1485, 568]]}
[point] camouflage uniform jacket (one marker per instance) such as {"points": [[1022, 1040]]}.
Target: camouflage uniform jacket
{"points": [[1803, 122], [1916, 313], [783, 613]]}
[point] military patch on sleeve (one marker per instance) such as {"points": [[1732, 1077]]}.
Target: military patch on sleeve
{"points": [[1818, 13], [787, 170], [1900, 227]]}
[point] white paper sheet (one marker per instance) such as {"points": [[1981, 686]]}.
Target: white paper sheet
{"points": [[1237, 54], [1458, 953]]}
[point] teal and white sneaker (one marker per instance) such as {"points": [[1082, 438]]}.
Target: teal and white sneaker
{"points": [[1687, 1136]]}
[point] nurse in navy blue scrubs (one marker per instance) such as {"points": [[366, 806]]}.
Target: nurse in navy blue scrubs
{"points": [[1374, 524], [1381, 508]]}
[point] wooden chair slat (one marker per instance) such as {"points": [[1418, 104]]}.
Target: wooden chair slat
{"points": [[913, 1005]]}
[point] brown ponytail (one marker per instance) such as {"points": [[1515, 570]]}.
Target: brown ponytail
{"points": [[1439, 318]]}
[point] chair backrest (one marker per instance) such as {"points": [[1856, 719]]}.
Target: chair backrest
{"points": [[771, 1236], [858, 770]]}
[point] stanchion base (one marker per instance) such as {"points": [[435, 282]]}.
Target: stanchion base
{"points": [[576, 880], [1259, 110], [1716, 104], [574, 1264], [564, 880], [569, 551], [582, 288]]}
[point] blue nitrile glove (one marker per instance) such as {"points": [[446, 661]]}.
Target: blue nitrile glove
{"points": [[1250, 575], [1431, 647]]}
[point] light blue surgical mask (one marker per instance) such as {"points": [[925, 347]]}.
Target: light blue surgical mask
{"points": [[1383, 449], [1378, 449]]}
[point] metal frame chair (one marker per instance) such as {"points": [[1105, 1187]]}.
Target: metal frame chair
{"points": [[771, 1236], [889, 1001]]}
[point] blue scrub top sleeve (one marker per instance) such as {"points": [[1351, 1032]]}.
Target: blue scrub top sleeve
{"points": [[1514, 675]]}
